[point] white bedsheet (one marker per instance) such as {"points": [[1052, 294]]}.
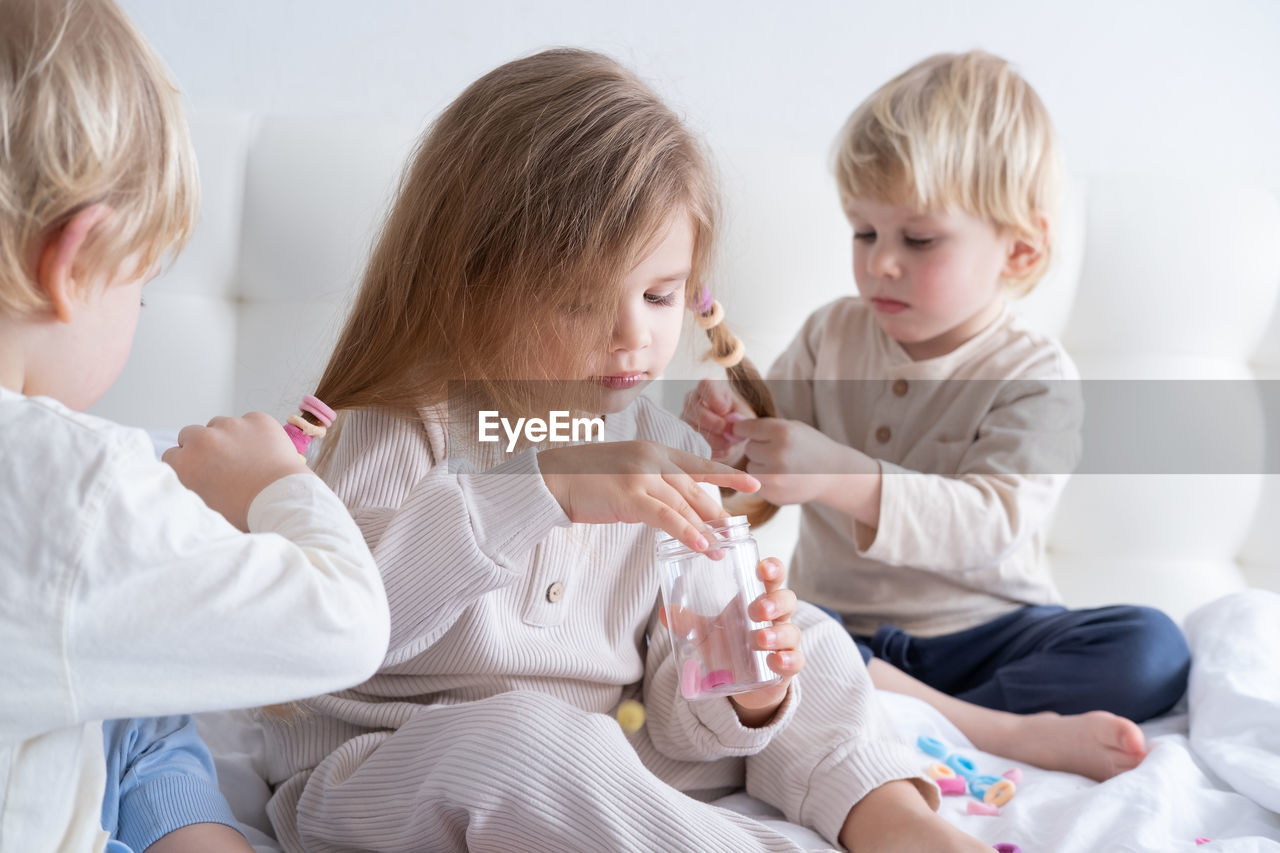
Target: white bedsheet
{"points": [[1235, 689], [1219, 780]]}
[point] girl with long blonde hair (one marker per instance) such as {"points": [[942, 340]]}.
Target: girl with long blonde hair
{"points": [[553, 226]]}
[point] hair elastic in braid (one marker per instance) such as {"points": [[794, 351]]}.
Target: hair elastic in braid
{"points": [[301, 430], [711, 318], [734, 356]]}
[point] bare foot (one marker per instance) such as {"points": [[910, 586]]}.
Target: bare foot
{"points": [[1098, 744]]}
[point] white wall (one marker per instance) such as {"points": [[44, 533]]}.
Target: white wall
{"points": [[1173, 89], [1133, 86]]}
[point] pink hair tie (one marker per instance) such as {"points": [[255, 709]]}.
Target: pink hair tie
{"points": [[313, 406], [300, 432], [704, 301], [301, 441], [691, 679]]}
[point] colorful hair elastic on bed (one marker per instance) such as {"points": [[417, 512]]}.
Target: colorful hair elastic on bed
{"points": [[301, 430], [709, 314]]}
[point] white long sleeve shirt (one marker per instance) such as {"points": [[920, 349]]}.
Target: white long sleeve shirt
{"points": [[123, 595], [974, 447]]}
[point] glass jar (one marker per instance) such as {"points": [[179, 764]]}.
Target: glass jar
{"points": [[706, 597]]}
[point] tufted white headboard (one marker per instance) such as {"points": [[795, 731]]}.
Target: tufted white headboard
{"points": [[1154, 277]]}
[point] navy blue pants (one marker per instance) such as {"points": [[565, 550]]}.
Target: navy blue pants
{"points": [[1132, 661]]}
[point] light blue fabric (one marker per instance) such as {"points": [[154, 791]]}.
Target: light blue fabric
{"points": [[160, 777]]}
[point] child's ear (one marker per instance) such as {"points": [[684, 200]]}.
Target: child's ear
{"points": [[1026, 251], [57, 268]]}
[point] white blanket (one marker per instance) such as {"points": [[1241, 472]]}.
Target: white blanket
{"points": [[1220, 781], [1235, 690]]}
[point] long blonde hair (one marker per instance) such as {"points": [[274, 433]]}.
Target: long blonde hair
{"points": [[526, 201]]}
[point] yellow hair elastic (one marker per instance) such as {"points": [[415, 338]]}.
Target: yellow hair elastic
{"points": [[938, 770], [731, 358], [308, 428], [712, 318], [1000, 793]]}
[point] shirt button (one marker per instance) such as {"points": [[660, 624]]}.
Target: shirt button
{"points": [[883, 434], [555, 592], [899, 387]]}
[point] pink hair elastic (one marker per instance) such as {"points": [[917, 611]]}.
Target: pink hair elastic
{"points": [[709, 314], [691, 679], [313, 406], [704, 302], [716, 678], [301, 431]]}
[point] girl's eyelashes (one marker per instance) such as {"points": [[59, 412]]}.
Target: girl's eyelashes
{"points": [[865, 236], [661, 298], [917, 242]]}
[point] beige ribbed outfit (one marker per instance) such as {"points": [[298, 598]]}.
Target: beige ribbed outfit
{"points": [[974, 446], [490, 727]]}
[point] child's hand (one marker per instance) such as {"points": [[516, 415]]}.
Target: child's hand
{"points": [[781, 640], [793, 461], [711, 409], [632, 481], [231, 460]]}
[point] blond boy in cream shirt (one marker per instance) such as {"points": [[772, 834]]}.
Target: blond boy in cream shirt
{"points": [[928, 434]]}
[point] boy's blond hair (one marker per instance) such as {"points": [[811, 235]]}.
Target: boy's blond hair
{"points": [[88, 115], [957, 131]]}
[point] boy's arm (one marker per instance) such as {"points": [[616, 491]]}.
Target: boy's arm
{"points": [[855, 490], [298, 607], [162, 788], [1004, 489], [145, 602]]}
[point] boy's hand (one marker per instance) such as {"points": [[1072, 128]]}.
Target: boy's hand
{"points": [[643, 481], [712, 408], [781, 640], [230, 461], [792, 460]]}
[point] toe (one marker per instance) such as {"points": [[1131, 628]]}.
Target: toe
{"points": [[1132, 740]]}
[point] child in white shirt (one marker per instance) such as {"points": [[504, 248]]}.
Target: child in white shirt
{"points": [[126, 594]]}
